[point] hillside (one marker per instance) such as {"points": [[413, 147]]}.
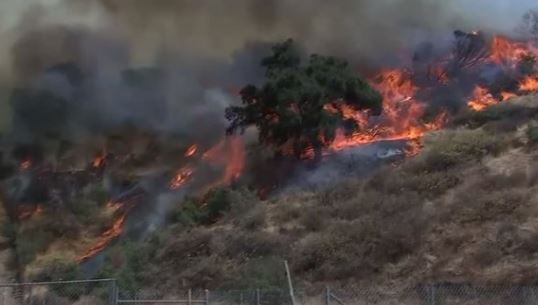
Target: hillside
{"points": [[462, 210]]}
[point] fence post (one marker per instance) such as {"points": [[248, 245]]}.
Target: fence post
{"points": [[290, 285], [113, 293], [327, 296], [189, 297], [432, 294], [206, 297], [241, 298], [257, 296]]}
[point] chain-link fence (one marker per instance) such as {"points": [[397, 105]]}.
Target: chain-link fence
{"points": [[105, 292], [206, 297], [90, 292], [437, 294]]}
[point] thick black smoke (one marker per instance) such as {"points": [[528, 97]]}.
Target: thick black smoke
{"points": [[91, 65]]}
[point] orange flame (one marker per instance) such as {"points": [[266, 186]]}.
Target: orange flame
{"points": [[114, 231], [99, 161], [229, 152], [481, 99], [191, 150], [529, 84], [401, 113], [181, 177], [507, 95], [506, 52]]}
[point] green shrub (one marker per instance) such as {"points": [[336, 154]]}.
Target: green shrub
{"points": [[218, 201], [188, 214]]}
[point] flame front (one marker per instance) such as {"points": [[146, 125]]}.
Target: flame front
{"points": [[231, 154], [506, 52], [401, 118], [508, 55], [108, 236]]}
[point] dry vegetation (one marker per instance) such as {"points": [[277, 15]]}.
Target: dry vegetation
{"points": [[464, 210]]}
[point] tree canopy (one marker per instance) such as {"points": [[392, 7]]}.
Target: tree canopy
{"points": [[290, 111]]}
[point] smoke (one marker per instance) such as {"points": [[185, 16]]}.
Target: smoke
{"points": [[171, 65], [357, 29]]}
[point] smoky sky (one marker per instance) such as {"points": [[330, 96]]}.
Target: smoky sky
{"points": [[206, 50]]}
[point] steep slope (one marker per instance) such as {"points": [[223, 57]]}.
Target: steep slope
{"points": [[463, 210]]}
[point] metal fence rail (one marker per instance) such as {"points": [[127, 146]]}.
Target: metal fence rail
{"points": [[206, 297], [106, 292], [94, 292]]}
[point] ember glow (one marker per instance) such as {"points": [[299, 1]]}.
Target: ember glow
{"points": [[99, 161], [191, 150], [26, 164], [181, 177]]}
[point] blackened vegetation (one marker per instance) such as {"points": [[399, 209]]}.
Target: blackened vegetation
{"points": [[288, 109]]}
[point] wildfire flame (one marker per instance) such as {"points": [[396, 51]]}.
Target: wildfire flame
{"points": [[507, 54], [230, 153], [114, 231], [481, 99], [191, 150], [529, 83], [99, 161], [401, 118], [181, 177]]}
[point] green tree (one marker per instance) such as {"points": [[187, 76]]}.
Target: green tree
{"points": [[290, 111]]}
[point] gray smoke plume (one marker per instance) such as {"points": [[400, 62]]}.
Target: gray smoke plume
{"points": [[167, 64]]}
